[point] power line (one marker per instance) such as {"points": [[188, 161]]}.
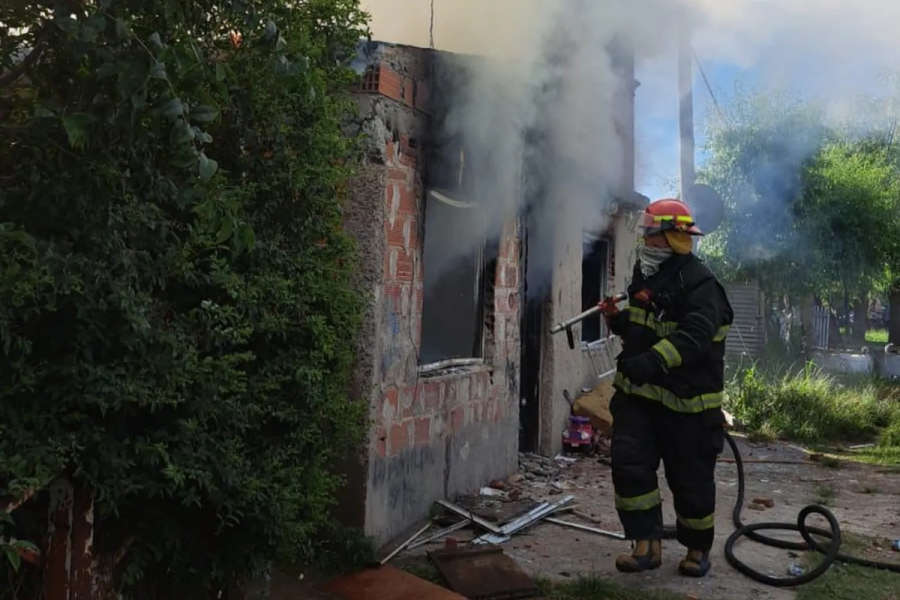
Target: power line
{"points": [[431, 27], [708, 86]]}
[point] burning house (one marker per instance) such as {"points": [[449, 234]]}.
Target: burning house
{"points": [[465, 278]]}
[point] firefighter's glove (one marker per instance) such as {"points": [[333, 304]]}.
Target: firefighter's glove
{"points": [[608, 308], [642, 368]]}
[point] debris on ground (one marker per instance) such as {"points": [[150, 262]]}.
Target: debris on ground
{"points": [[501, 509], [765, 502], [482, 572], [388, 583]]}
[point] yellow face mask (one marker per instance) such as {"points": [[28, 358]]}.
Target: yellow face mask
{"points": [[679, 241]]}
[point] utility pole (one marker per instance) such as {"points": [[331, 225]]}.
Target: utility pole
{"points": [[686, 111]]}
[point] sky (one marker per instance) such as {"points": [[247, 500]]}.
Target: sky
{"points": [[656, 121], [830, 48], [781, 64]]}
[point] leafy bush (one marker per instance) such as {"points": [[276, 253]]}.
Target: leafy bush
{"points": [[177, 308], [809, 406]]}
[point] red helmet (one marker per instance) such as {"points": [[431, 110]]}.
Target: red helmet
{"points": [[669, 215]]}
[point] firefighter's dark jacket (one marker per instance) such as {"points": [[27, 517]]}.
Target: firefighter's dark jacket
{"points": [[685, 323]]}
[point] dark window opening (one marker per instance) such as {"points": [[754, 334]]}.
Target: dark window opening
{"points": [[455, 306], [594, 286]]}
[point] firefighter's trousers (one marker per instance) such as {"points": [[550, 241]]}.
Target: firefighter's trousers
{"points": [[645, 432]]}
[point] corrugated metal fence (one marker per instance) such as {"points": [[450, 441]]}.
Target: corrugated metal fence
{"points": [[821, 327], [748, 333]]}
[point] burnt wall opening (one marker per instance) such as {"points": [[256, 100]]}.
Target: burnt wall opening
{"points": [[461, 230]]}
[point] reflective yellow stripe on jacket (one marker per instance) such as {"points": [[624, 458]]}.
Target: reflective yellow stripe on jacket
{"points": [[669, 399], [639, 316]]}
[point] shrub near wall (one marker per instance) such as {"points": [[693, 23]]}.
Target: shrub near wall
{"points": [[176, 310]]}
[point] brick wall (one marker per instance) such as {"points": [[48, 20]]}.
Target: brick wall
{"points": [[450, 432]]}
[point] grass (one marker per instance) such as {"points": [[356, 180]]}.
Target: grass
{"points": [[808, 406], [850, 582], [877, 336]]}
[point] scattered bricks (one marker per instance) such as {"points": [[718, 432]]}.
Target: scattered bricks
{"points": [[422, 431], [767, 502], [399, 438]]}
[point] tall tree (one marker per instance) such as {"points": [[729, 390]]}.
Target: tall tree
{"points": [[757, 151], [811, 209], [175, 285]]}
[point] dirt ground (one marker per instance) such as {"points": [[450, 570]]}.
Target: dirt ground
{"points": [[865, 499]]}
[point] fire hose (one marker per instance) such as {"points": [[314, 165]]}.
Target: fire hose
{"points": [[831, 548]]}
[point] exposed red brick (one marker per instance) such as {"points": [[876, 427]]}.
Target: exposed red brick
{"points": [[409, 160], [404, 267], [498, 414], [381, 442], [408, 201], [408, 398], [422, 430], [398, 174], [391, 152], [399, 437], [393, 292], [457, 419], [431, 397], [389, 82], [512, 277], [391, 399]]}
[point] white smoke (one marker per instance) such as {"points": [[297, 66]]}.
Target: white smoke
{"points": [[841, 41]]}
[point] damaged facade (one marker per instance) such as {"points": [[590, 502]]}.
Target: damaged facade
{"points": [[455, 358]]}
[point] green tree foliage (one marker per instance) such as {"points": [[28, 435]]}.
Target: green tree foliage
{"points": [[811, 209], [177, 307], [756, 155], [850, 212]]}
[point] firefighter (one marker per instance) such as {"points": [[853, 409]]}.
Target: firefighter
{"points": [[669, 386]]}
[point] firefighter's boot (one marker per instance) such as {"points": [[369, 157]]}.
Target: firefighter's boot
{"points": [[695, 564], [646, 556]]}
